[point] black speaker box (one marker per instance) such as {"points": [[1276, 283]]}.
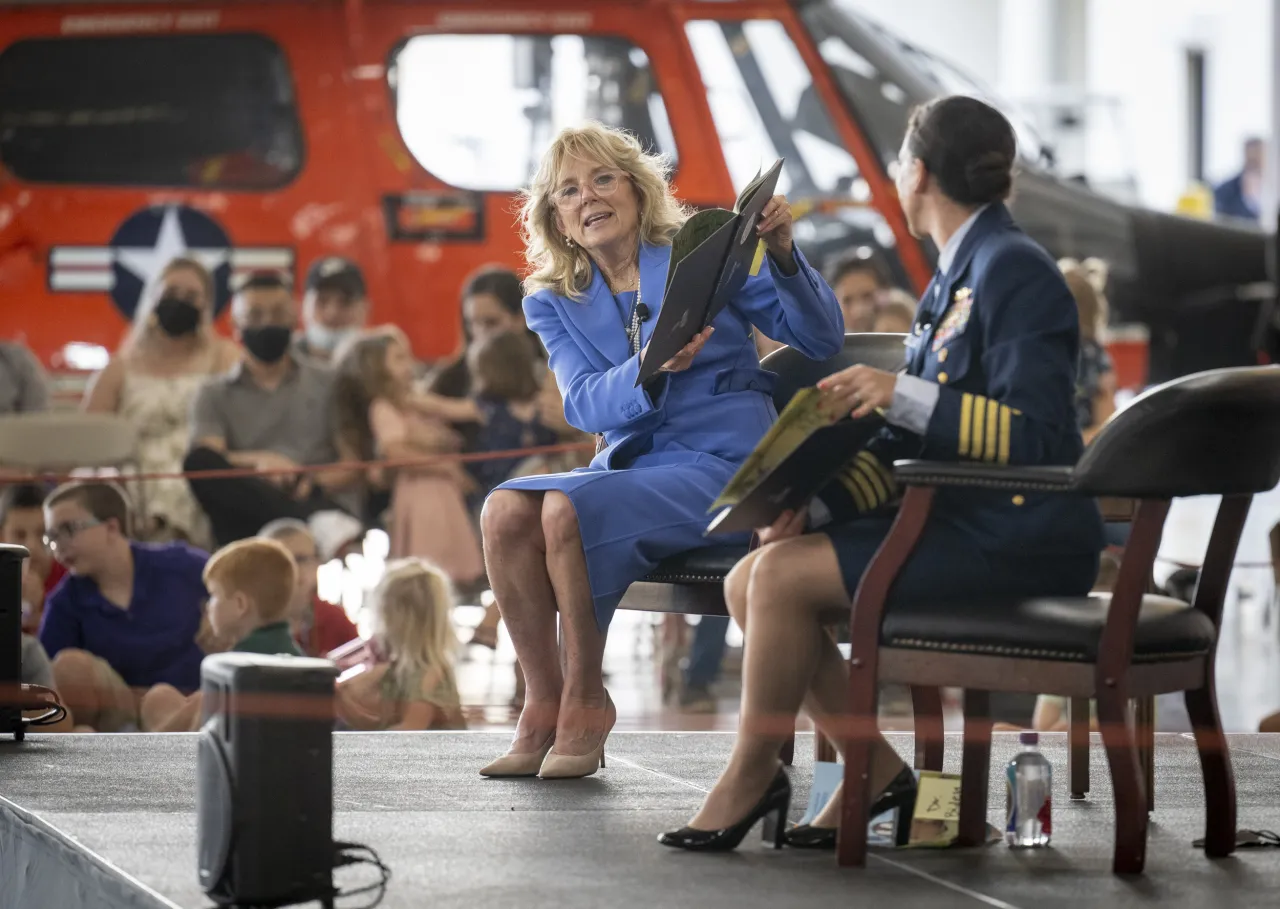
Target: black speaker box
{"points": [[11, 639], [265, 769]]}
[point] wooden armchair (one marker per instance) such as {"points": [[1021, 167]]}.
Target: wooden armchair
{"points": [[1212, 433]]}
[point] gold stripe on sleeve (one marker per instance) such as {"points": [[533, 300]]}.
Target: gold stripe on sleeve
{"points": [[848, 480], [979, 427], [993, 415], [966, 414], [1006, 428]]}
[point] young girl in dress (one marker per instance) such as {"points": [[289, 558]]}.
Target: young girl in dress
{"points": [[381, 415], [412, 686]]}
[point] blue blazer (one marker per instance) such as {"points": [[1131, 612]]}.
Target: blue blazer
{"points": [[721, 405], [1000, 335]]}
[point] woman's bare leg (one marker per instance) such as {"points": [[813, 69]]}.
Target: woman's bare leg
{"points": [[516, 559], [788, 659], [583, 720]]}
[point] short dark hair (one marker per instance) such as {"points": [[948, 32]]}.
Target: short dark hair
{"points": [[862, 259], [22, 495], [967, 146], [501, 283], [265, 279], [102, 500]]}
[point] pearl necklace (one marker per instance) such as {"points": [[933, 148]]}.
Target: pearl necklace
{"points": [[633, 324]]}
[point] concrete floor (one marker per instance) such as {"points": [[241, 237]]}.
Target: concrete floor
{"points": [[454, 839]]}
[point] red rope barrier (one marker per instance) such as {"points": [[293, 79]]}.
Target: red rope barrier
{"points": [[240, 472]]}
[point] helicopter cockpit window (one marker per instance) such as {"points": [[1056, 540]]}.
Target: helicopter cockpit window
{"points": [[765, 106], [489, 130], [92, 111]]}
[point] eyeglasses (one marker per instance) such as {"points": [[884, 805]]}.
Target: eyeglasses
{"points": [[569, 198], [64, 532]]}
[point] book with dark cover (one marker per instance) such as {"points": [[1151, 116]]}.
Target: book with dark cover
{"points": [[712, 256]]}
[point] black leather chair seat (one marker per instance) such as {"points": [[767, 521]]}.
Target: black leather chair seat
{"points": [[1045, 628], [709, 565]]}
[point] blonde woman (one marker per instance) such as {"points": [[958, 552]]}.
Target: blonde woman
{"points": [[171, 348], [413, 685], [1096, 376], [598, 222]]}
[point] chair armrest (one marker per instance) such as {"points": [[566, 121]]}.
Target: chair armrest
{"points": [[986, 476]]}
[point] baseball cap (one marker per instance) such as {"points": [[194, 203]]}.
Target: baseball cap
{"points": [[336, 273]]}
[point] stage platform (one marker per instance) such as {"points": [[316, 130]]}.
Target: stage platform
{"points": [[109, 821]]}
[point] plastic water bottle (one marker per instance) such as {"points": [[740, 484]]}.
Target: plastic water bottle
{"points": [[1030, 793]]}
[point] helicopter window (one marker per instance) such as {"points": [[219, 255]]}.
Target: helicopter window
{"points": [[488, 131], [92, 111], [764, 106]]}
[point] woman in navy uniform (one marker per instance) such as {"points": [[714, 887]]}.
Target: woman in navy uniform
{"points": [[598, 223], [990, 376]]}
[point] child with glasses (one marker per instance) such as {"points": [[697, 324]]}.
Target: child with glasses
{"points": [[129, 615], [318, 626]]}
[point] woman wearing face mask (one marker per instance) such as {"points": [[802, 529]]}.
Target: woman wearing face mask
{"points": [[170, 349]]}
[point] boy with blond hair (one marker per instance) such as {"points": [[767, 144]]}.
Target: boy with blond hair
{"points": [[250, 584]]}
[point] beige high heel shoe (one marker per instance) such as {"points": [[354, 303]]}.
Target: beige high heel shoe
{"points": [[574, 766], [520, 763]]}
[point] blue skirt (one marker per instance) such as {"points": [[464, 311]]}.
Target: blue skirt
{"points": [[632, 518], [947, 563]]}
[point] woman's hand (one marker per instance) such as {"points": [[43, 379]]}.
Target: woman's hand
{"points": [[775, 228], [683, 360], [860, 390], [789, 524]]}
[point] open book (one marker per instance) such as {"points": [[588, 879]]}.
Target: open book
{"points": [[794, 460], [711, 257]]}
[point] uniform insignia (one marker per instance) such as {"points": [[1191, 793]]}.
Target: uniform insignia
{"points": [[956, 319]]}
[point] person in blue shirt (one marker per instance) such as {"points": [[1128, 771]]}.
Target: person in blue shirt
{"points": [[990, 377], [1241, 196], [127, 616], [598, 222]]}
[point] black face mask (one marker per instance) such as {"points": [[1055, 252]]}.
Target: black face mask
{"points": [[267, 343], [177, 317]]}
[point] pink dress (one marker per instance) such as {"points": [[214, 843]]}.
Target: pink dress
{"points": [[429, 517]]}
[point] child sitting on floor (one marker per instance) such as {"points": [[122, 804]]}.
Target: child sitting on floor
{"points": [[250, 585], [413, 685], [318, 626]]}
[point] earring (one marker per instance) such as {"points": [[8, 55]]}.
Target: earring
{"points": [[568, 241]]}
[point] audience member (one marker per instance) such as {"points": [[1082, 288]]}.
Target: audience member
{"points": [[413, 685], [271, 412], [895, 313], [1095, 376], [380, 415], [22, 524], [170, 351], [504, 383], [23, 385], [1241, 196], [492, 301], [334, 308], [859, 279], [318, 626], [128, 617], [250, 584]]}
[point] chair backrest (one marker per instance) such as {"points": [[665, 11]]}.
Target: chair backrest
{"points": [[796, 371], [60, 440], [1209, 433]]}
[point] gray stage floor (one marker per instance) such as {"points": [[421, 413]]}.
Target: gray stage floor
{"points": [[453, 839]]}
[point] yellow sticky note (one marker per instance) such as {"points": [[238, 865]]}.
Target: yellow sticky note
{"points": [[758, 260], [936, 819]]}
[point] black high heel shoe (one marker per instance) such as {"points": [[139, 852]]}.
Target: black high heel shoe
{"points": [[772, 807], [900, 794]]}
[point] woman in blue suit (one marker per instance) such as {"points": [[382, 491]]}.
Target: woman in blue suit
{"points": [[990, 376], [598, 223]]}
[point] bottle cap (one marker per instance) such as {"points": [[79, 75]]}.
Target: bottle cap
{"points": [[1029, 738]]}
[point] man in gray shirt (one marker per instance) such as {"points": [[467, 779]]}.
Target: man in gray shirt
{"points": [[272, 412]]}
